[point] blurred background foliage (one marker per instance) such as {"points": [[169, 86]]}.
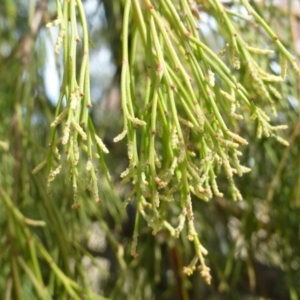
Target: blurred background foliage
{"points": [[50, 251]]}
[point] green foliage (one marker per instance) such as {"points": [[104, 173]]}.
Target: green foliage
{"points": [[202, 115]]}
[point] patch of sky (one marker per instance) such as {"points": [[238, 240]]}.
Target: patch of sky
{"points": [[5, 49], [275, 67], [207, 27], [95, 13], [51, 75], [293, 102], [208, 23], [102, 71], [101, 67]]}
